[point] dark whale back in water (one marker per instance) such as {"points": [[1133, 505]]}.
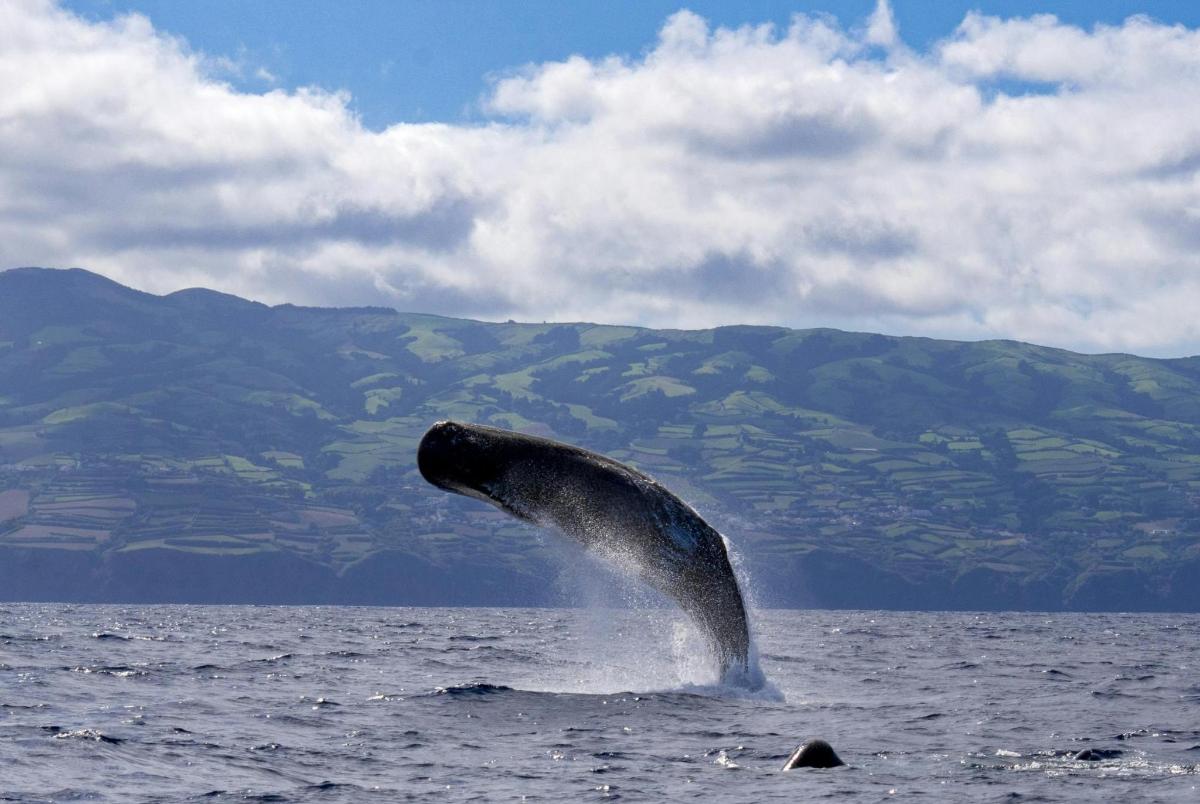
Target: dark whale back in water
{"points": [[814, 753], [609, 508]]}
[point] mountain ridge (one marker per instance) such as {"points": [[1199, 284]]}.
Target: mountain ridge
{"points": [[198, 434]]}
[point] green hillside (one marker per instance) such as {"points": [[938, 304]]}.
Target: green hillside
{"points": [[152, 446]]}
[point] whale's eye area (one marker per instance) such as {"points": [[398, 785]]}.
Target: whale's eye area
{"points": [[452, 457], [438, 455]]}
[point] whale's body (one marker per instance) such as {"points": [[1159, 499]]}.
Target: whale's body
{"points": [[609, 508]]}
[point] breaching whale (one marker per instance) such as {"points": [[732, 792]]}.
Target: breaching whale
{"points": [[611, 509]]}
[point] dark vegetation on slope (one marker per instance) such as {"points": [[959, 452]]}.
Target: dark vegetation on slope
{"points": [[200, 447]]}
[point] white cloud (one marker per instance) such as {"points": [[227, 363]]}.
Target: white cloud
{"points": [[1022, 179], [881, 27]]}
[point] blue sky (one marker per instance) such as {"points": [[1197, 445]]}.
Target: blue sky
{"points": [[421, 60], [955, 170]]}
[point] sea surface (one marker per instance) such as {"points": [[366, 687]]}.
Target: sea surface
{"points": [[317, 704]]}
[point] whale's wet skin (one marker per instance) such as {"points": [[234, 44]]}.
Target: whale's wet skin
{"points": [[609, 508]]}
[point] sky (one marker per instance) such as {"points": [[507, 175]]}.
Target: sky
{"points": [[1025, 170]]}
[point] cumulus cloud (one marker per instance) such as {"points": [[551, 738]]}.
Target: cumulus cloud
{"points": [[881, 26], [1023, 178]]}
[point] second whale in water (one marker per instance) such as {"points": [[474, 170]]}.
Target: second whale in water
{"points": [[612, 510]]}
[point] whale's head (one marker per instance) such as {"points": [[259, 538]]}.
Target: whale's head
{"points": [[470, 459], [457, 457]]}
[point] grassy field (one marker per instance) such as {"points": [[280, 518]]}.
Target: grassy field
{"points": [[130, 421]]}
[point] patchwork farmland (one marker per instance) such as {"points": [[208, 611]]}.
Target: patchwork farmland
{"points": [[196, 424]]}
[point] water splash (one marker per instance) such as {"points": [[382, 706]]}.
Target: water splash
{"points": [[752, 677], [632, 637]]}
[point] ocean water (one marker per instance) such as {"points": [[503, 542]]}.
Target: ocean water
{"points": [[191, 703]]}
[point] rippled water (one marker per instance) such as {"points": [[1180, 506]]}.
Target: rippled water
{"points": [[176, 703]]}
